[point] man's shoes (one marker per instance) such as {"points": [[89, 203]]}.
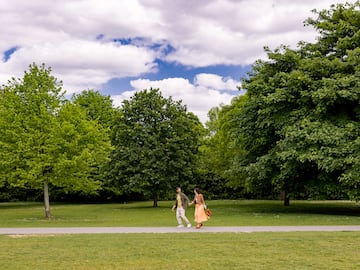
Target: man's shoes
{"points": [[180, 226], [189, 225]]}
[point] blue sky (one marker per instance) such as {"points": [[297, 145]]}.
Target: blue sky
{"points": [[168, 70], [196, 51]]}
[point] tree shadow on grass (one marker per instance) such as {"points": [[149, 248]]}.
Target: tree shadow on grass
{"points": [[134, 207], [274, 207], [336, 210], [15, 205]]}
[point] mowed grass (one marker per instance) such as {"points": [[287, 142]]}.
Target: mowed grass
{"points": [[225, 213], [297, 250]]}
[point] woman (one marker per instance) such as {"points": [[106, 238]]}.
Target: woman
{"points": [[200, 215]]}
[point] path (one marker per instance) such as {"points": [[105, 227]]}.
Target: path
{"points": [[240, 229]]}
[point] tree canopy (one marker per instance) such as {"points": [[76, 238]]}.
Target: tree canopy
{"points": [[300, 125], [221, 152], [45, 140], [156, 141], [97, 106]]}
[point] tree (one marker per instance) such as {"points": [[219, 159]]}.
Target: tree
{"points": [[46, 141], [97, 106], [221, 150], [301, 122], [156, 141]]}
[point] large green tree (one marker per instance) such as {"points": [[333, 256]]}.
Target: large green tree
{"points": [[301, 123], [45, 140], [221, 151], [156, 141], [97, 106]]}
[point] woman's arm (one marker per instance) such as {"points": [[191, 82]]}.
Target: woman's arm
{"points": [[201, 200], [193, 201]]}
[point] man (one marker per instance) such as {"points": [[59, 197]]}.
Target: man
{"points": [[180, 206]]}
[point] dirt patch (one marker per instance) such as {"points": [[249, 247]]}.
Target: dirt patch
{"points": [[29, 235]]}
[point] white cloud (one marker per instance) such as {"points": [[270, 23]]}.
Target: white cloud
{"points": [[199, 96], [217, 82], [82, 64], [203, 32], [62, 34], [210, 32]]}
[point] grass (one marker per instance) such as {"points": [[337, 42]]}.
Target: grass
{"points": [[225, 213], [295, 250], [301, 250]]}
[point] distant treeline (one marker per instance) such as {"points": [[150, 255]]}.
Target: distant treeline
{"points": [[295, 133]]}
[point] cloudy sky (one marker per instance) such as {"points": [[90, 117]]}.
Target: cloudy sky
{"points": [[196, 50]]}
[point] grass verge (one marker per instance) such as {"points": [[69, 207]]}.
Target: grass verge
{"points": [[225, 213], [300, 250]]}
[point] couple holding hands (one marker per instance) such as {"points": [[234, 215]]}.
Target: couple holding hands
{"points": [[181, 204]]}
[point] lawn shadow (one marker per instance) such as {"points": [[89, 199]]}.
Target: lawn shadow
{"points": [[15, 205], [141, 206], [296, 207]]}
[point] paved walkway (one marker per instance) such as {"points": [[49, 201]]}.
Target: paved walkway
{"points": [[205, 229]]}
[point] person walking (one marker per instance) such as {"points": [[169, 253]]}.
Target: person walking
{"points": [[199, 215], [180, 206]]}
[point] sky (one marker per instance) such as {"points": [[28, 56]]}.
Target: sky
{"points": [[195, 51]]}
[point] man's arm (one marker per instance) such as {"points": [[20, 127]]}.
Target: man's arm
{"points": [[174, 206], [187, 198]]}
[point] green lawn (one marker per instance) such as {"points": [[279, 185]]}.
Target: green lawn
{"points": [[225, 213], [297, 250], [301, 250]]}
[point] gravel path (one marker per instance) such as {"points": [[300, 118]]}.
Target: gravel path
{"points": [[205, 229]]}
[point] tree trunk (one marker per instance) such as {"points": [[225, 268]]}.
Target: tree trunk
{"points": [[285, 198], [286, 201], [155, 203], [46, 200]]}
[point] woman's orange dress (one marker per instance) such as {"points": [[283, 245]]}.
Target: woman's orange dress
{"points": [[200, 215]]}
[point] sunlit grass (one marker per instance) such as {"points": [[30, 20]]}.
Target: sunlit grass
{"points": [[225, 213], [300, 250]]}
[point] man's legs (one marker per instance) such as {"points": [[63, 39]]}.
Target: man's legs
{"points": [[180, 214]]}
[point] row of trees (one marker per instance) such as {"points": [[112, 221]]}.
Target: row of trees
{"points": [[47, 140], [295, 131], [86, 147]]}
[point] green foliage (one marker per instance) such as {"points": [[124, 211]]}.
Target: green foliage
{"points": [[44, 139], [221, 152], [300, 125], [156, 141], [28, 107], [97, 106], [82, 147]]}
